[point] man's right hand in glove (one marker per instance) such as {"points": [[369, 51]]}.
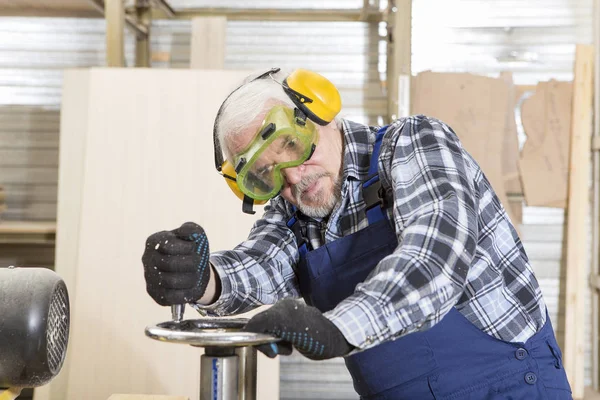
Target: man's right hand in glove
{"points": [[176, 266]]}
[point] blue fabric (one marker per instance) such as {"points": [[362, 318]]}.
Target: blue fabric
{"points": [[453, 360], [375, 214]]}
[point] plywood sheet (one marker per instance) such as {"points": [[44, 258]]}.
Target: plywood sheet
{"points": [[544, 159], [136, 157], [577, 217], [208, 43], [476, 107]]}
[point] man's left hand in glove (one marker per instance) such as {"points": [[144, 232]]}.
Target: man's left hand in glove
{"points": [[301, 326]]}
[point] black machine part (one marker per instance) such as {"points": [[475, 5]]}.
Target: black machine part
{"points": [[34, 326]]}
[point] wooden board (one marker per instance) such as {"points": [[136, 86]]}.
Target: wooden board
{"points": [[577, 214], [208, 43], [32, 232], [27, 227], [476, 108], [136, 157], [546, 120]]}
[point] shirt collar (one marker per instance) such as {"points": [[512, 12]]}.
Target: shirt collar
{"points": [[358, 147]]}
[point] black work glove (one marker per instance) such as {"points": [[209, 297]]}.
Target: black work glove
{"points": [[176, 265], [301, 326]]}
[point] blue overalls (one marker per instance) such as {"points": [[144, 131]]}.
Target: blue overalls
{"points": [[452, 360]]}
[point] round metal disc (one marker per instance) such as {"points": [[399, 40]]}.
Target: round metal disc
{"points": [[208, 332]]}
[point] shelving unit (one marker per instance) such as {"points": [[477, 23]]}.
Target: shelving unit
{"points": [[27, 232]]}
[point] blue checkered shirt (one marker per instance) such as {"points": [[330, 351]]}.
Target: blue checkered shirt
{"points": [[456, 244]]}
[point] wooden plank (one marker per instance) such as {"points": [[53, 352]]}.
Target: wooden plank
{"points": [[109, 205], [275, 14], [595, 217], [114, 11], [476, 108], [578, 210], [47, 4], [27, 227], [142, 42], [208, 43], [399, 56], [27, 232], [74, 123], [50, 8], [546, 120]]}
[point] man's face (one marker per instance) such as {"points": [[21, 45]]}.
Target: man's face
{"points": [[315, 186]]}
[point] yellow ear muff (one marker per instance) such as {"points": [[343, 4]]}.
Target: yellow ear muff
{"points": [[229, 174], [303, 86]]}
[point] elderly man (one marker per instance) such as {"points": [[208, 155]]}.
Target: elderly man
{"points": [[407, 262]]}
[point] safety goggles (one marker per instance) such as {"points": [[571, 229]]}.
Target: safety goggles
{"points": [[285, 139]]}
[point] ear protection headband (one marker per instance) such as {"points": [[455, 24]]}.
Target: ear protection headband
{"points": [[312, 94]]}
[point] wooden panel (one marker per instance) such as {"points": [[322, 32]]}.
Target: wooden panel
{"points": [[547, 122], [115, 33], [138, 163], [208, 43], [476, 108], [74, 123], [578, 211]]}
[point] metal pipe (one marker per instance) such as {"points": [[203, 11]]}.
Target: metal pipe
{"points": [[219, 374], [247, 373]]}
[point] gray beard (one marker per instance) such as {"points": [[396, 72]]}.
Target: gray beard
{"points": [[326, 203]]}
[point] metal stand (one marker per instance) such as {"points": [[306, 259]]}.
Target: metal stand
{"points": [[228, 366]]}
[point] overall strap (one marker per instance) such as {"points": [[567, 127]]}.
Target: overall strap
{"points": [[299, 231], [373, 193]]}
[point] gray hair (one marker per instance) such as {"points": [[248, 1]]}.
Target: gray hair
{"points": [[247, 102]]}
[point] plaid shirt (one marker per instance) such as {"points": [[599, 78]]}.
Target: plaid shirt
{"points": [[457, 247]]}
